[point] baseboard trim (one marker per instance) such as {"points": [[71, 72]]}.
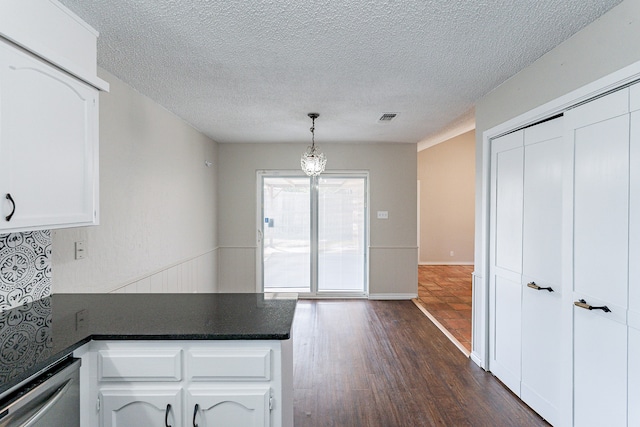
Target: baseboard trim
{"points": [[444, 330], [392, 296], [446, 263], [474, 357]]}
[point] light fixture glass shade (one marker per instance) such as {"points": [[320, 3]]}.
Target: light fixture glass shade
{"points": [[313, 161]]}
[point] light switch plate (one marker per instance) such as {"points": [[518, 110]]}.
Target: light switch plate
{"points": [[383, 214]]}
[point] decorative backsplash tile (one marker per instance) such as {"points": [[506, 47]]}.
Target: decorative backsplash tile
{"points": [[25, 338], [25, 267]]}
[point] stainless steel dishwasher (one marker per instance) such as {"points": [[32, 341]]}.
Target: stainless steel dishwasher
{"points": [[50, 399]]}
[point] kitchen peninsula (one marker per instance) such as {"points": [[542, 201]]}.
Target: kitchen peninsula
{"points": [[175, 357]]}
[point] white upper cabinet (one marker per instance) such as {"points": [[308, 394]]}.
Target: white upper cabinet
{"points": [[54, 33], [48, 145], [48, 118]]}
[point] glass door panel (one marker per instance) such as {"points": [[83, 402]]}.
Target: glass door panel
{"points": [[341, 234], [286, 234]]}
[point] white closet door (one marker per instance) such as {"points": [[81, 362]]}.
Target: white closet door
{"points": [[542, 260], [634, 377], [506, 258], [634, 257], [600, 133]]}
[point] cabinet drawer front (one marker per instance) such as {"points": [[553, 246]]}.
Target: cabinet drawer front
{"points": [[140, 365], [231, 364]]}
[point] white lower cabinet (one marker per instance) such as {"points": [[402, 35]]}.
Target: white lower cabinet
{"points": [[187, 383], [229, 406], [140, 406]]}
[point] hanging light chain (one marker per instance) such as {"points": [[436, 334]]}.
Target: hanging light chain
{"points": [[313, 117], [313, 129]]}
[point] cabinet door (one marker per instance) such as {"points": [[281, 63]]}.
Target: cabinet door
{"points": [[228, 406], [48, 145], [600, 134], [542, 344], [140, 406], [505, 291]]}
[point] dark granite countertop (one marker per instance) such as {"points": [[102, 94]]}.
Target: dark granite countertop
{"points": [[38, 334]]}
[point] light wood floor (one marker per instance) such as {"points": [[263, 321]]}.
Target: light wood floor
{"points": [[445, 291], [383, 363]]}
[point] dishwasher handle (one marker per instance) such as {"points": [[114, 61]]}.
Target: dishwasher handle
{"points": [[49, 398], [44, 406]]}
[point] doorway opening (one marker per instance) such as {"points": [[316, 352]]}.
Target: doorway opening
{"points": [[313, 233]]}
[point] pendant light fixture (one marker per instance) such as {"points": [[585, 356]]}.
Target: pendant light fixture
{"points": [[313, 161]]}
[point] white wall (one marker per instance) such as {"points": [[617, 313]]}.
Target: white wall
{"points": [[392, 173], [607, 45], [157, 202]]}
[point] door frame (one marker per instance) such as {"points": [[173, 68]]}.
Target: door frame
{"points": [[480, 304], [260, 174]]}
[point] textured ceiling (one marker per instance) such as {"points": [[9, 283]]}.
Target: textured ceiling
{"points": [[250, 71]]}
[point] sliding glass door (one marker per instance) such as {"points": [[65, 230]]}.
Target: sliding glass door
{"points": [[341, 234], [286, 231], [313, 234]]}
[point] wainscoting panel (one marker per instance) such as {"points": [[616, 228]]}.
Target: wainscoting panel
{"points": [[196, 275], [237, 269], [393, 272]]}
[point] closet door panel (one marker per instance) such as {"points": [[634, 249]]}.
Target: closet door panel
{"points": [[601, 259], [601, 206], [508, 207], [506, 259], [542, 261], [600, 370], [634, 377], [634, 257], [507, 343], [542, 251], [634, 208]]}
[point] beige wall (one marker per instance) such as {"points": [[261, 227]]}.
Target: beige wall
{"points": [[157, 198], [392, 184], [446, 173]]}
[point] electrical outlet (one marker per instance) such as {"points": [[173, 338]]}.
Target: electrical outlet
{"points": [[81, 318], [81, 250], [450, 253]]}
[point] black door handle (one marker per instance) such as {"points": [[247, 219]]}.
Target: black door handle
{"points": [[166, 415], [583, 304], [533, 285], [195, 412], [13, 204]]}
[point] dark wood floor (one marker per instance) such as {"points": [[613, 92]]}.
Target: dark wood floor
{"points": [[384, 363], [445, 291]]}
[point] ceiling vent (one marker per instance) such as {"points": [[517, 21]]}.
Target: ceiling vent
{"points": [[387, 117]]}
